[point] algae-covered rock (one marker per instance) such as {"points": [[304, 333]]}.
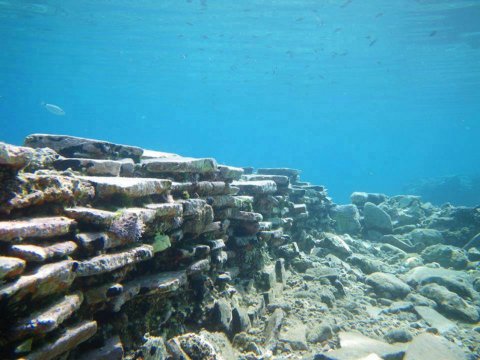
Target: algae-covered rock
{"points": [[450, 303], [161, 242], [46, 280], [28, 190], [426, 237], [16, 157], [446, 255]]}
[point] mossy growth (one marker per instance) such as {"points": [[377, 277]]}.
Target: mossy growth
{"points": [[185, 195], [161, 242]]}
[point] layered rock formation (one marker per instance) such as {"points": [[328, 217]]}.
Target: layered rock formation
{"points": [[110, 251]]}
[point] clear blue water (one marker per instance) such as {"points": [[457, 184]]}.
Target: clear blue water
{"points": [[360, 95]]}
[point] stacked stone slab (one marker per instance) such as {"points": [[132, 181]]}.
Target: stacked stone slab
{"points": [[93, 232]]}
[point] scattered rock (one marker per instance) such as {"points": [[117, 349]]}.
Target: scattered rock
{"points": [[425, 237], [319, 333], [398, 336], [295, 335], [450, 303], [377, 219], [446, 255], [388, 285]]}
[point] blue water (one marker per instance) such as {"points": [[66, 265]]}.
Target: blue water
{"points": [[360, 95]]}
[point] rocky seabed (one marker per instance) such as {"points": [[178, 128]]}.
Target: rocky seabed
{"points": [[110, 251]]}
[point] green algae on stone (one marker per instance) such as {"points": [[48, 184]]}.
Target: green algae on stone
{"points": [[161, 242]]}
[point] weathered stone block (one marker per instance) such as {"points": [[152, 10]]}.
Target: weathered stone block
{"points": [[106, 187], [228, 173], [179, 165], [201, 188], [91, 167], [90, 216], [109, 262], [69, 339], [16, 157], [46, 227], [36, 189], [76, 147], [11, 267], [46, 280], [280, 180], [166, 210], [159, 284], [291, 173], [35, 253], [256, 187], [47, 319]]}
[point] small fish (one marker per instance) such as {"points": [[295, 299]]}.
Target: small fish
{"points": [[372, 42], [337, 30], [433, 33], [54, 109], [346, 3], [379, 15]]}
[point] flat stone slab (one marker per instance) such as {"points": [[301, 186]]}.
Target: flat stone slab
{"points": [[76, 147], [92, 167], [228, 173], [280, 180], [249, 216], [154, 154], [106, 187], [109, 262], [45, 227], [256, 187], [47, 279], [90, 215], [36, 189], [158, 284], [35, 253], [103, 293], [69, 339], [11, 267], [16, 157], [435, 319], [202, 188], [229, 201], [180, 165], [354, 346], [430, 347], [49, 318], [291, 173], [166, 210]]}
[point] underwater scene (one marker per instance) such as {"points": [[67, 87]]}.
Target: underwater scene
{"points": [[250, 179]]}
